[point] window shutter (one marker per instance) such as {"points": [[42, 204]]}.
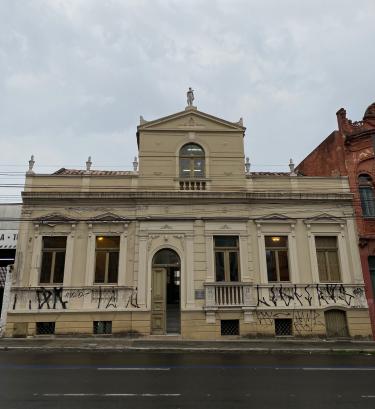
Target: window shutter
{"points": [[322, 267]]}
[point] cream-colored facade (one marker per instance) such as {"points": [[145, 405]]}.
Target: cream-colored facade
{"points": [[216, 290]]}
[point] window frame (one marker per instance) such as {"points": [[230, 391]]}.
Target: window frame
{"points": [[277, 249], [107, 252], [53, 251], [327, 250], [191, 159], [367, 199], [227, 250]]}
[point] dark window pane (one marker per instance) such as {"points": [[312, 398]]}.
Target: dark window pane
{"points": [[322, 265], [100, 266], [45, 274], [198, 167], [367, 201], [371, 263], [276, 241], [58, 276], [333, 263], [113, 267], [54, 242], [323, 242], [185, 167], [226, 241], [271, 265], [233, 265], [108, 242], [191, 149], [283, 265], [219, 266], [166, 257]]}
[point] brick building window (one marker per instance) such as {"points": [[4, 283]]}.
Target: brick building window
{"points": [[53, 260], [328, 258], [107, 259], [371, 265], [277, 258], [192, 161], [366, 193], [226, 258]]}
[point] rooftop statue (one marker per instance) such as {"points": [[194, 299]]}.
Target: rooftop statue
{"points": [[190, 97]]}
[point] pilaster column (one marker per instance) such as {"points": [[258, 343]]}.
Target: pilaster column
{"points": [[262, 255], [313, 257], [245, 273], [142, 272], [69, 256], [189, 268], [293, 256], [354, 252], [210, 277], [122, 279], [90, 257], [343, 254], [36, 258]]}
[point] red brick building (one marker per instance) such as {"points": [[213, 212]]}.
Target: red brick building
{"points": [[349, 151]]}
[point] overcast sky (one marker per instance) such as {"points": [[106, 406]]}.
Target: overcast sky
{"points": [[76, 74]]}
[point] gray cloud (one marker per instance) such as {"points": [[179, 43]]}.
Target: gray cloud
{"points": [[76, 74]]}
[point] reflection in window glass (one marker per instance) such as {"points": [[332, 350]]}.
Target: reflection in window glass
{"points": [[277, 258], [107, 259], [192, 161], [226, 258]]}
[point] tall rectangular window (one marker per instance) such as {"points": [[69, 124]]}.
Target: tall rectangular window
{"points": [[107, 259], [277, 258], [328, 258], [371, 265], [53, 260], [226, 252]]}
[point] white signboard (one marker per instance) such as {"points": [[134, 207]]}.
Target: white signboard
{"points": [[8, 239]]}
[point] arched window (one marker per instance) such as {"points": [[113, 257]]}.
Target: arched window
{"points": [[191, 161], [366, 193]]}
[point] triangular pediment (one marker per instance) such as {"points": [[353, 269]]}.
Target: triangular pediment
{"points": [[191, 120], [54, 218], [107, 218], [275, 217], [324, 218]]}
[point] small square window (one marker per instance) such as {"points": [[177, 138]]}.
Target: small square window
{"points": [[102, 327], [45, 328], [230, 327], [283, 327]]}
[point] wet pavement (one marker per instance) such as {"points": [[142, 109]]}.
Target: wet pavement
{"points": [[133, 379]]}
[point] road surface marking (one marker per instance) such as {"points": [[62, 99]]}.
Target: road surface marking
{"points": [[108, 394], [368, 396], [133, 369], [339, 369]]}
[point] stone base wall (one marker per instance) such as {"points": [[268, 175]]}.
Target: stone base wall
{"points": [[194, 325]]}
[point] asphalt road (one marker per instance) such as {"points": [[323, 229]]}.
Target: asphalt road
{"points": [[99, 379]]}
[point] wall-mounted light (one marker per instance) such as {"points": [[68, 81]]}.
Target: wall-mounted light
{"points": [[100, 238], [275, 239]]}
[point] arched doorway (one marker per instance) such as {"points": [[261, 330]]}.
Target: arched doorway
{"points": [[166, 294]]}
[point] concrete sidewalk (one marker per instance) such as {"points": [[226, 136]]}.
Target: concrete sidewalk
{"points": [[173, 344]]}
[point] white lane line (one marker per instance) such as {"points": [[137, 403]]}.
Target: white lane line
{"points": [[106, 395], [368, 396], [338, 369], [133, 369]]}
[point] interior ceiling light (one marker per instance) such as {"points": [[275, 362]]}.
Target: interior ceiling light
{"points": [[275, 239]]}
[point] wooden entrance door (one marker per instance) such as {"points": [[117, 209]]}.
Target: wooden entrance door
{"points": [[336, 325], [158, 301]]}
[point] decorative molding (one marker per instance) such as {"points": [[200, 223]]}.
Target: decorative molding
{"points": [[108, 218], [324, 218]]}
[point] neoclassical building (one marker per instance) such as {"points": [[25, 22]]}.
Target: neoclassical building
{"points": [[190, 242]]}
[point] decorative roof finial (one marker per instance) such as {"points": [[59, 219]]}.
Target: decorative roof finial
{"points": [[135, 164], [291, 167], [190, 97], [31, 165], [88, 163], [247, 165]]}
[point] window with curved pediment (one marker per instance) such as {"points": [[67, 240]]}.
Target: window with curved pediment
{"points": [[366, 193], [192, 161]]}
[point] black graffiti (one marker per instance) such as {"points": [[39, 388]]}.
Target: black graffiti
{"points": [[133, 299], [273, 298], [261, 300], [112, 301], [15, 301], [285, 297], [345, 296], [308, 298], [305, 321], [297, 296], [76, 293], [46, 296]]}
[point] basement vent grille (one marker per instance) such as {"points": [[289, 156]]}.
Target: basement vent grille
{"points": [[102, 327], [230, 327], [283, 327], [45, 328]]}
